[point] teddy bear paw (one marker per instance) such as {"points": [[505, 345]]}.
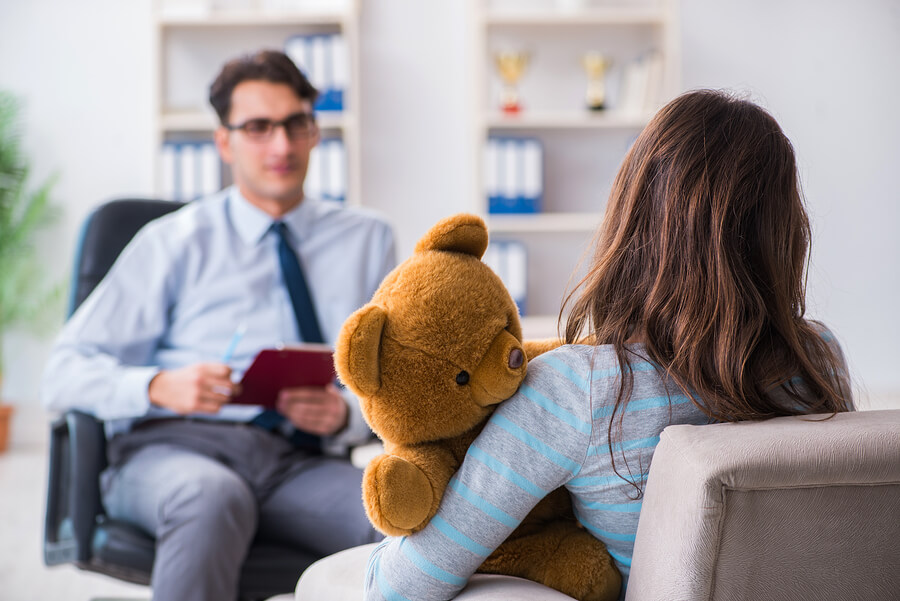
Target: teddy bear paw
{"points": [[398, 495]]}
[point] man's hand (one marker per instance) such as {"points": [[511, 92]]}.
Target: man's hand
{"points": [[200, 388], [320, 411]]}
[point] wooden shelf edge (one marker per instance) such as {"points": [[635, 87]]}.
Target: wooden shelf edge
{"points": [[568, 120], [540, 326], [188, 121], [253, 19], [586, 17], [543, 222]]}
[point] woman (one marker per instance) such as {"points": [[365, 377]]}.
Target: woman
{"points": [[695, 298]]}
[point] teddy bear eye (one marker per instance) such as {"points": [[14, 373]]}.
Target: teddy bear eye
{"points": [[462, 378]]}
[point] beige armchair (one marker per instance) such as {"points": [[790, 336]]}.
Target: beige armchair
{"points": [[785, 509]]}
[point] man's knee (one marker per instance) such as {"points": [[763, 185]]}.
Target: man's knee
{"points": [[206, 526], [219, 503]]}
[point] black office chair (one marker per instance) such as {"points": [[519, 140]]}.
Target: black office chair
{"points": [[76, 528]]}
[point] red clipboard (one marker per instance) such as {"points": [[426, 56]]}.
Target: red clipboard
{"points": [[289, 367]]}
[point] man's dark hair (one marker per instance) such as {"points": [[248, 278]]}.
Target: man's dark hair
{"points": [[265, 65]]}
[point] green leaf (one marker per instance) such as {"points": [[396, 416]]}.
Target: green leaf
{"points": [[26, 298]]}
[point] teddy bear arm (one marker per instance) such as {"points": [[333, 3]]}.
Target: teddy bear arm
{"points": [[552, 548], [437, 462], [563, 556], [402, 489]]}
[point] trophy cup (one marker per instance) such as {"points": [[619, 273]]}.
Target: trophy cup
{"points": [[595, 65], [511, 65]]}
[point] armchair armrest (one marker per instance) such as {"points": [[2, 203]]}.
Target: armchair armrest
{"points": [[77, 456]]}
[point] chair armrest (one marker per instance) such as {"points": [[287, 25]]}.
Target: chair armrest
{"points": [[361, 456], [77, 456], [789, 508]]}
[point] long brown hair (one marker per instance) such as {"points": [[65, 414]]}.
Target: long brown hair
{"points": [[702, 256]]}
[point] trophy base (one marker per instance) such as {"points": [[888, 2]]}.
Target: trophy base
{"points": [[511, 107], [597, 106]]}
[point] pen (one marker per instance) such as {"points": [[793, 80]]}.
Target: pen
{"points": [[235, 339]]}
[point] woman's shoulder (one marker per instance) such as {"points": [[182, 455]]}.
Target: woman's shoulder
{"points": [[593, 360], [831, 339], [571, 359], [592, 370], [822, 330]]}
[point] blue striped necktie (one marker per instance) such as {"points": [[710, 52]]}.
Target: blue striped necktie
{"points": [[305, 313]]}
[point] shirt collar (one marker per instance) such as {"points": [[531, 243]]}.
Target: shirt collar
{"points": [[252, 223]]}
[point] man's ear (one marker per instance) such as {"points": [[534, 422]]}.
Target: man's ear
{"points": [[223, 143], [357, 353]]}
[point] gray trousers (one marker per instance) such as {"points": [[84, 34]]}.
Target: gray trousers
{"points": [[204, 490]]}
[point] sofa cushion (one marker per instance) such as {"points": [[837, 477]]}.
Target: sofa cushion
{"points": [[341, 577]]}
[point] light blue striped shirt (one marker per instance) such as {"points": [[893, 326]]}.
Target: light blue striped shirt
{"points": [[188, 280]]}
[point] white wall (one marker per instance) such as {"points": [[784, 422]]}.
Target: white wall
{"points": [[82, 70], [415, 112], [827, 69]]}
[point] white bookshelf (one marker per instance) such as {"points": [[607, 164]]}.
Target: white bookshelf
{"points": [[582, 149], [194, 39]]}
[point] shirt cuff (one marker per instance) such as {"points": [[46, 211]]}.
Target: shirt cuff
{"points": [[132, 397]]}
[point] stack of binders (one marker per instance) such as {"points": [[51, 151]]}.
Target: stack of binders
{"points": [[190, 169], [509, 260], [514, 178], [323, 59], [326, 177]]}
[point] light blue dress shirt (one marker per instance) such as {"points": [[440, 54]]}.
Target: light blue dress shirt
{"points": [[189, 280]]}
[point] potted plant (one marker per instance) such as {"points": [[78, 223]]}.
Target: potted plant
{"points": [[24, 295]]}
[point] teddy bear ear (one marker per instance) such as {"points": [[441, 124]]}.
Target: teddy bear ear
{"points": [[462, 233], [357, 351]]}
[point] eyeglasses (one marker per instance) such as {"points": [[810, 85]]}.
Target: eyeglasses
{"points": [[296, 126]]}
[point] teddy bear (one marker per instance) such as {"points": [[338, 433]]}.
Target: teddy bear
{"points": [[430, 357]]}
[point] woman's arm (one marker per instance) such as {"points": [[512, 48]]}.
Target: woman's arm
{"points": [[535, 442]]}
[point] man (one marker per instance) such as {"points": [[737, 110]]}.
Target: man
{"points": [[146, 351]]}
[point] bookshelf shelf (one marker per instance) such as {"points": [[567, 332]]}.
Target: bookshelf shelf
{"points": [[544, 223], [561, 119], [245, 18], [186, 121], [206, 121], [589, 17], [540, 326]]}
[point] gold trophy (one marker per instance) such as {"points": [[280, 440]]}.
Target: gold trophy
{"points": [[511, 64], [596, 65]]}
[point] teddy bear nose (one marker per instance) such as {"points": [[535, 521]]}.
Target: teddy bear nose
{"points": [[516, 358]]}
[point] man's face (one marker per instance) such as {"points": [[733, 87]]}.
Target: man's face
{"points": [[269, 172]]}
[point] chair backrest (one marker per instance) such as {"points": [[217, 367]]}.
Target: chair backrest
{"points": [[77, 441], [789, 508], [106, 231]]}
